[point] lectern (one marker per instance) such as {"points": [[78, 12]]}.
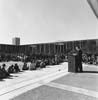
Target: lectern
{"points": [[72, 65]]}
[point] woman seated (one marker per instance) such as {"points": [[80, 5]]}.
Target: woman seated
{"points": [[25, 66], [32, 65]]}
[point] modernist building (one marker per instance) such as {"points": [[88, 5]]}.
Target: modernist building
{"points": [[60, 48]]}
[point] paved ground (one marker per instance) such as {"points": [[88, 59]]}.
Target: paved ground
{"points": [[52, 83], [82, 80], [27, 80], [73, 86], [31, 75], [50, 93]]}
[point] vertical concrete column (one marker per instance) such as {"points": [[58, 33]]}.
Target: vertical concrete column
{"points": [[60, 48], [54, 49], [73, 45], [66, 46], [80, 43], [49, 48], [40, 48], [63, 48], [44, 48]]}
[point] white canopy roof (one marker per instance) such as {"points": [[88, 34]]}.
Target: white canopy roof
{"points": [[94, 6]]}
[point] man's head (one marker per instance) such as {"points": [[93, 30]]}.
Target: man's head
{"points": [[77, 48]]}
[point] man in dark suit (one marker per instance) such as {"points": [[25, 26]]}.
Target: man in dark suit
{"points": [[79, 59]]}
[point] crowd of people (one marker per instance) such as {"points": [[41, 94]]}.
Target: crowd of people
{"points": [[41, 62], [35, 63], [90, 59], [5, 72]]}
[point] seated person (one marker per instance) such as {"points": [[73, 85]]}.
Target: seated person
{"points": [[42, 64], [25, 66], [53, 61], [11, 69], [96, 60], [16, 68], [1, 73], [32, 65], [46, 62], [38, 63], [5, 73]]}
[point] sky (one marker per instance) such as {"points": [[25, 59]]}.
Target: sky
{"points": [[41, 21]]}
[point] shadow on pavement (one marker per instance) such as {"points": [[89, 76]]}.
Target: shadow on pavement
{"points": [[1, 80], [90, 71], [8, 77], [11, 76]]}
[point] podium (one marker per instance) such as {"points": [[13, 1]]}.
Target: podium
{"points": [[72, 65]]}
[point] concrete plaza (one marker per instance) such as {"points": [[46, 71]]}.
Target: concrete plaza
{"points": [[52, 83]]}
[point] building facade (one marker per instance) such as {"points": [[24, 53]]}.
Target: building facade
{"points": [[59, 48]]}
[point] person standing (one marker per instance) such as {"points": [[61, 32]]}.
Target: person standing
{"points": [[79, 59]]}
